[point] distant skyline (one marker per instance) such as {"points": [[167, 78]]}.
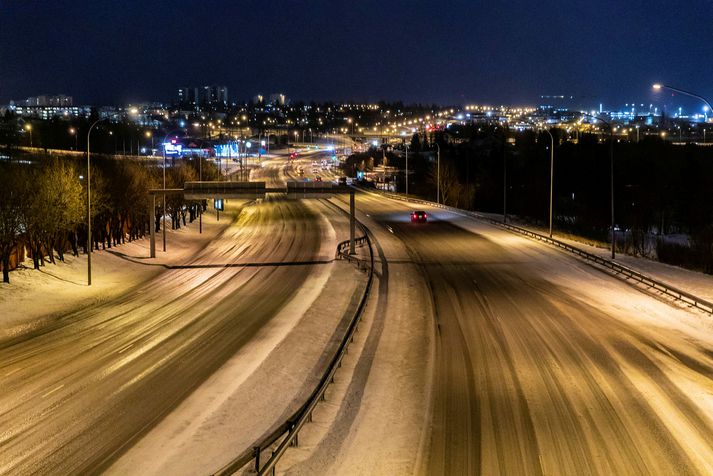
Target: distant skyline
{"points": [[444, 52]]}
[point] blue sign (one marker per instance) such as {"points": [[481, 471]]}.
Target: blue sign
{"points": [[172, 149], [218, 204]]}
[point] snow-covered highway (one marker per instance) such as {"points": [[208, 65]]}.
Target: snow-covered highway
{"points": [[542, 364], [480, 352], [81, 389]]}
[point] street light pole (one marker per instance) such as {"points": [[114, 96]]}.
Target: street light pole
{"points": [[658, 87], [406, 169], [438, 175], [28, 128], [89, 209], [163, 219], [552, 173], [611, 176], [89, 200], [505, 181], [163, 211]]}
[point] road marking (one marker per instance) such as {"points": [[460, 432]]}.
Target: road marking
{"points": [[390, 229], [17, 369], [53, 390], [124, 348]]}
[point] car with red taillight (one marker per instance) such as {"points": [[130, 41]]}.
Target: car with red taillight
{"points": [[419, 216]]}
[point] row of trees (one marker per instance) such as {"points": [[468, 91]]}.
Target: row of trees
{"points": [[43, 204], [661, 189]]}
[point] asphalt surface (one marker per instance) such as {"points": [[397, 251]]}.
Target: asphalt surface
{"points": [[77, 393], [530, 378]]}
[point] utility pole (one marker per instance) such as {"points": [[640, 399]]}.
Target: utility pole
{"points": [[438, 175], [505, 186], [406, 170]]}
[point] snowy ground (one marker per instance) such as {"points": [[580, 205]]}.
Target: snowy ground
{"points": [[35, 298], [694, 282]]}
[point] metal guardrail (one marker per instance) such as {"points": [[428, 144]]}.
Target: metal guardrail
{"points": [[343, 252], [289, 430], [660, 286], [667, 289]]}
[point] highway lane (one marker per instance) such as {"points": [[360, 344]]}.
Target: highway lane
{"points": [[532, 377], [73, 397]]}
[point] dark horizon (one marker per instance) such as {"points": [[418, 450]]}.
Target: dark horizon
{"points": [[464, 52]]}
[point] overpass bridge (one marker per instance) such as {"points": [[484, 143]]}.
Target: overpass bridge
{"points": [[207, 190]]}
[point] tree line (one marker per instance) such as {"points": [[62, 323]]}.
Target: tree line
{"points": [[660, 189], [43, 204]]}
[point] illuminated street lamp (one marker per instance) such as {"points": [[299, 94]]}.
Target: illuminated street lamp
{"points": [[28, 128], [659, 86], [73, 131], [149, 134]]}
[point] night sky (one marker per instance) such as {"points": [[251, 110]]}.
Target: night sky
{"points": [[436, 51]]}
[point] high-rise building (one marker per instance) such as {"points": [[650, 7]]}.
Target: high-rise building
{"points": [[188, 95], [203, 96], [59, 100], [278, 99]]}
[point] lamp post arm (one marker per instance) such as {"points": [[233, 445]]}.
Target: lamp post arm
{"points": [[688, 93]]}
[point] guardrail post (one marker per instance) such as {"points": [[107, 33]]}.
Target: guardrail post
{"points": [[256, 452], [152, 225], [352, 223]]}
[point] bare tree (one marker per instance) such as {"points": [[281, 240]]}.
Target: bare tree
{"points": [[450, 186], [11, 198]]}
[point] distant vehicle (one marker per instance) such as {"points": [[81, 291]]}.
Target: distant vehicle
{"points": [[300, 171], [342, 180], [318, 178], [419, 216], [315, 171]]}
